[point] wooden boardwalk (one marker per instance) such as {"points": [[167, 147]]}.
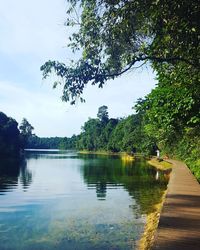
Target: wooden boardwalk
{"points": [[179, 225]]}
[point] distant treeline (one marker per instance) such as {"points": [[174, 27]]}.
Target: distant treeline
{"points": [[102, 134], [98, 134], [51, 142], [14, 138]]}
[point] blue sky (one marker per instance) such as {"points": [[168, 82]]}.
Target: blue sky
{"points": [[32, 32]]}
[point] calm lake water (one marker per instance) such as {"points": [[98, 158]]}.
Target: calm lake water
{"points": [[64, 200]]}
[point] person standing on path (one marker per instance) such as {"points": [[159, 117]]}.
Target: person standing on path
{"points": [[158, 154]]}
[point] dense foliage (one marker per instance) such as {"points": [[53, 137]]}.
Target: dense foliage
{"points": [[114, 36], [32, 141], [36, 142], [9, 137], [172, 113], [14, 140], [115, 135], [25, 132]]}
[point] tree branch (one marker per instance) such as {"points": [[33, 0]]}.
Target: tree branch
{"points": [[151, 58]]}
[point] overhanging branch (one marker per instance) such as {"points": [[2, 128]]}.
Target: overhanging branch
{"points": [[152, 58]]}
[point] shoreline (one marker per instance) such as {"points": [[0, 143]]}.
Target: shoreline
{"points": [[147, 240], [162, 165], [97, 152], [124, 156]]}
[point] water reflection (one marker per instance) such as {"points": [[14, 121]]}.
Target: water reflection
{"points": [[51, 154], [25, 176], [11, 171], [73, 201], [99, 172], [101, 190], [142, 182]]}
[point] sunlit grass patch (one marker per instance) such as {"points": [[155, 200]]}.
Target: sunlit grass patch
{"points": [[160, 164]]}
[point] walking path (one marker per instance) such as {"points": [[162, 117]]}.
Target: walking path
{"points": [[179, 225]]}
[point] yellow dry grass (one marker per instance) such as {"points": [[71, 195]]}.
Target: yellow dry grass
{"points": [[161, 165], [147, 240]]}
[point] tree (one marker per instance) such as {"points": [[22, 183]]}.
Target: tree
{"points": [[115, 36], [25, 131], [50, 142], [96, 133], [9, 137], [91, 134], [103, 114], [26, 128]]}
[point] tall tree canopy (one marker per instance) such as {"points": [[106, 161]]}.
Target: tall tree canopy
{"points": [[103, 114], [25, 131], [9, 136], [96, 133], [114, 36]]}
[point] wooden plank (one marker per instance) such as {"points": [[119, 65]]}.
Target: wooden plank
{"points": [[179, 225]]}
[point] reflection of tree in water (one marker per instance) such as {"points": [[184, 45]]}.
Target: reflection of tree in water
{"points": [[99, 172], [137, 178], [25, 175], [10, 172], [101, 190]]}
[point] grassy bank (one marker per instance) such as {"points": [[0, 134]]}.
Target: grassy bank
{"points": [[160, 164], [147, 240], [124, 156], [98, 152]]}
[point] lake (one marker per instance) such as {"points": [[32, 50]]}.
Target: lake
{"points": [[65, 200]]}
